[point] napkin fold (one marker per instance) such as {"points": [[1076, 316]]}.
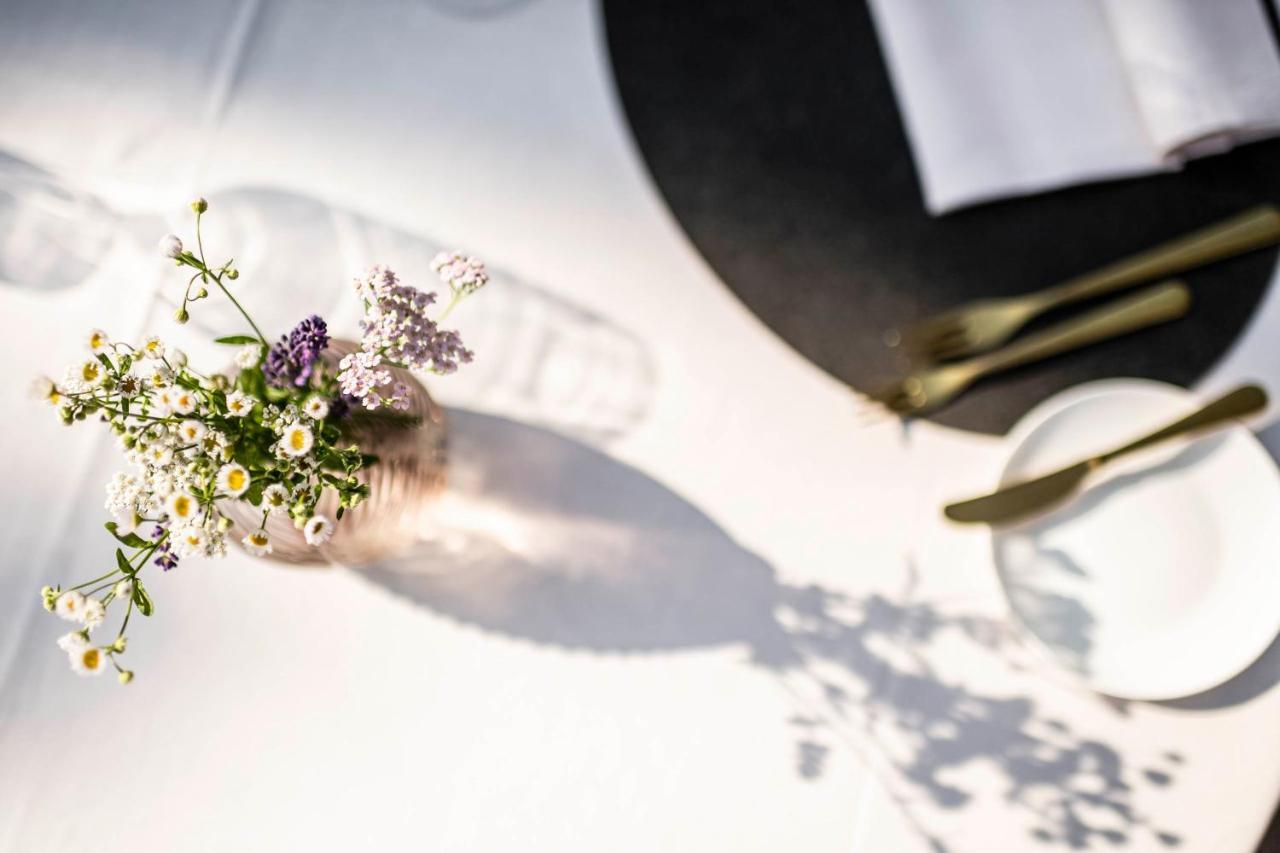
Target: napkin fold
{"points": [[1009, 97]]}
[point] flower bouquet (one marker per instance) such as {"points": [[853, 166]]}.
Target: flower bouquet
{"points": [[274, 439]]}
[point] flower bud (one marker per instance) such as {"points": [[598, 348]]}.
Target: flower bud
{"points": [[181, 316], [233, 273], [202, 293], [120, 644], [125, 676], [200, 205], [178, 357], [170, 246]]}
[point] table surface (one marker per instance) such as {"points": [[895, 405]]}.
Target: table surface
{"points": [[681, 600]]}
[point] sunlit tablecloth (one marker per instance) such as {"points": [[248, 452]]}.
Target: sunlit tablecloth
{"points": [[677, 600]]}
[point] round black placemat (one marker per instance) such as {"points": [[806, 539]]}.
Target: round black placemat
{"points": [[772, 131]]}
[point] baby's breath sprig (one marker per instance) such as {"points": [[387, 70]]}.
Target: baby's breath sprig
{"points": [[272, 435]]}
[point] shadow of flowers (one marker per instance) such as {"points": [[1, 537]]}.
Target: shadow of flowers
{"points": [[546, 540]]}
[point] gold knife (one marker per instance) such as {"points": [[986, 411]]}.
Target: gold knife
{"points": [[1023, 499]]}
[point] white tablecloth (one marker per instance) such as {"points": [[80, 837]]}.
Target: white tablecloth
{"points": [[682, 601]]}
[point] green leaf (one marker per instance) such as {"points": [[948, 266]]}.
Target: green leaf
{"points": [[133, 540], [339, 513], [237, 340], [123, 563], [141, 599]]}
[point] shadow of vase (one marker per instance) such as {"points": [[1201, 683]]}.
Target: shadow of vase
{"points": [[542, 539]]}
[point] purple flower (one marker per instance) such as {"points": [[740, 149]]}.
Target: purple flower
{"points": [[165, 559], [291, 360]]}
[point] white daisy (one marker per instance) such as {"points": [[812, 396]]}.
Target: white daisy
{"points": [[190, 541], [153, 347], [88, 374], [184, 401], [98, 341], [160, 377], [71, 642], [257, 543], [182, 507], [43, 388], [233, 479], [127, 521], [316, 408], [248, 356], [94, 613], [88, 660], [317, 530], [275, 498], [191, 431], [159, 454], [214, 445], [239, 404], [297, 440], [129, 385], [70, 606]]}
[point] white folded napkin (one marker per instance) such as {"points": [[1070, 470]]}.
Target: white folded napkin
{"points": [[1009, 97]]}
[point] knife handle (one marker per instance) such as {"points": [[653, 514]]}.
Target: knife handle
{"points": [[1158, 304], [1234, 404], [1251, 230]]}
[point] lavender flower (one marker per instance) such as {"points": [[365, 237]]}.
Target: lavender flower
{"points": [[398, 332], [291, 360]]}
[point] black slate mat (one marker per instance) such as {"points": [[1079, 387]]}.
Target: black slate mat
{"points": [[773, 133]]}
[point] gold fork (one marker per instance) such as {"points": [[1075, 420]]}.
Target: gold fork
{"points": [[986, 324], [933, 387]]}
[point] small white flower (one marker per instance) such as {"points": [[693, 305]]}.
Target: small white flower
{"points": [[239, 404], [233, 479], [71, 642], [88, 660], [182, 401], [124, 590], [191, 431], [191, 541], [177, 357], [43, 388], [94, 613], [249, 356], [317, 530], [129, 385], [70, 606], [275, 499], [170, 246], [214, 445], [316, 408], [98, 341], [257, 543], [88, 374], [182, 507], [297, 440], [127, 521], [153, 347], [160, 377], [159, 455]]}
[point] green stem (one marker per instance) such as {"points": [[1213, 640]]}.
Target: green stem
{"points": [[217, 279], [457, 297]]}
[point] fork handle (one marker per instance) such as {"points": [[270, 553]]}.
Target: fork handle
{"points": [[1253, 229], [1159, 304]]}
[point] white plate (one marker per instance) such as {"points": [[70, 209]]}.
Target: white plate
{"points": [[1162, 578]]}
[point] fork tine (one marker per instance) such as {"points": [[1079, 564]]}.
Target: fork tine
{"points": [[951, 348]]}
